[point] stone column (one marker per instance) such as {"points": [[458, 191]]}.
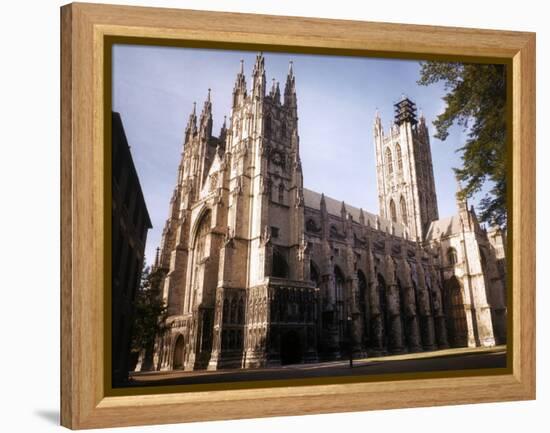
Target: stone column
{"points": [[439, 315], [395, 331], [376, 317], [425, 310], [409, 308]]}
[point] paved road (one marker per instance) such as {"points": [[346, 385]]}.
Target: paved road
{"points": [[433, 361]]}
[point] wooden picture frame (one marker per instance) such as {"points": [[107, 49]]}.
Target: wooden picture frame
{"points": [[84, 27]]}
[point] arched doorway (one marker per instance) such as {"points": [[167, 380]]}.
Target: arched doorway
{"points": [[179, 352], [291, 348], [455, 314]]}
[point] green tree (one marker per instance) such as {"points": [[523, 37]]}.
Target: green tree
{"points": [[476, 101], [149, 314]]}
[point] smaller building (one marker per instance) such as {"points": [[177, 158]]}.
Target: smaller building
{"points": [[130, 222]]}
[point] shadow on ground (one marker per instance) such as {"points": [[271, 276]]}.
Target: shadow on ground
{"points": [[449, 360], [50, 415]]}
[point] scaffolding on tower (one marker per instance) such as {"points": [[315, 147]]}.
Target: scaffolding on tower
{"points": [[405, 111]]}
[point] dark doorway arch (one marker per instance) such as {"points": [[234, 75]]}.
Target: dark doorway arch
{"points": [[179, 352], [291, 348], [455, 314]]}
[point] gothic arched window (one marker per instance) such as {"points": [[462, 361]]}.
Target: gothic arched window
{"points": [[399, 158], [280, 265], [283, 129], [452, 256], [362, 281], [314, 273], [281, 193], [403, 206], [389, 160], [198, 255], [338, 285], [200, 237], [393, 211]]}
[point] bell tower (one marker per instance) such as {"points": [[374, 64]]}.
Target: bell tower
{"points": [[406, 187]]}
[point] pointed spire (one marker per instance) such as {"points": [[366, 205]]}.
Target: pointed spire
{"points": [[191, 127], [207, 108], [223, 131], [206, 117], [258, 76], [377, 123], [343, 209], [275, 92], [239, 90], [259, 65], [361, 216], [290, 87], [323, 204], [461, 201]]}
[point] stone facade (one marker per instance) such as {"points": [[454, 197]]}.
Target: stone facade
{"points": [[261, 271]]}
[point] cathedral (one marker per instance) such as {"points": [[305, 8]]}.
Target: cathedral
{"points": [[260, 271]]}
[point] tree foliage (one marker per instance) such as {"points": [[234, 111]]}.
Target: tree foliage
{"points": [[149, 310], [476, 101]]}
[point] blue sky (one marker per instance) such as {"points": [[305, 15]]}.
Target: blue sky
{"points": [[154, 89]]}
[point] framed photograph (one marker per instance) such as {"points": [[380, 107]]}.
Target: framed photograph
{"points": [[266, 216]]}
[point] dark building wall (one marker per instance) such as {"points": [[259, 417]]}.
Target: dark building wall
{"points": [[130, 222]]}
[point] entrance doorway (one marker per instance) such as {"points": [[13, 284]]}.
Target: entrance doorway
{"points": [[455, 313], [179, 349], [291, 348]]}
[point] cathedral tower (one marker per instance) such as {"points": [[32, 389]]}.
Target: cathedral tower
{"points": [[406, 188], [233, 248]]}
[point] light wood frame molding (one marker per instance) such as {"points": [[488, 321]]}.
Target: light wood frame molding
{"points": [[83, 400]]}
